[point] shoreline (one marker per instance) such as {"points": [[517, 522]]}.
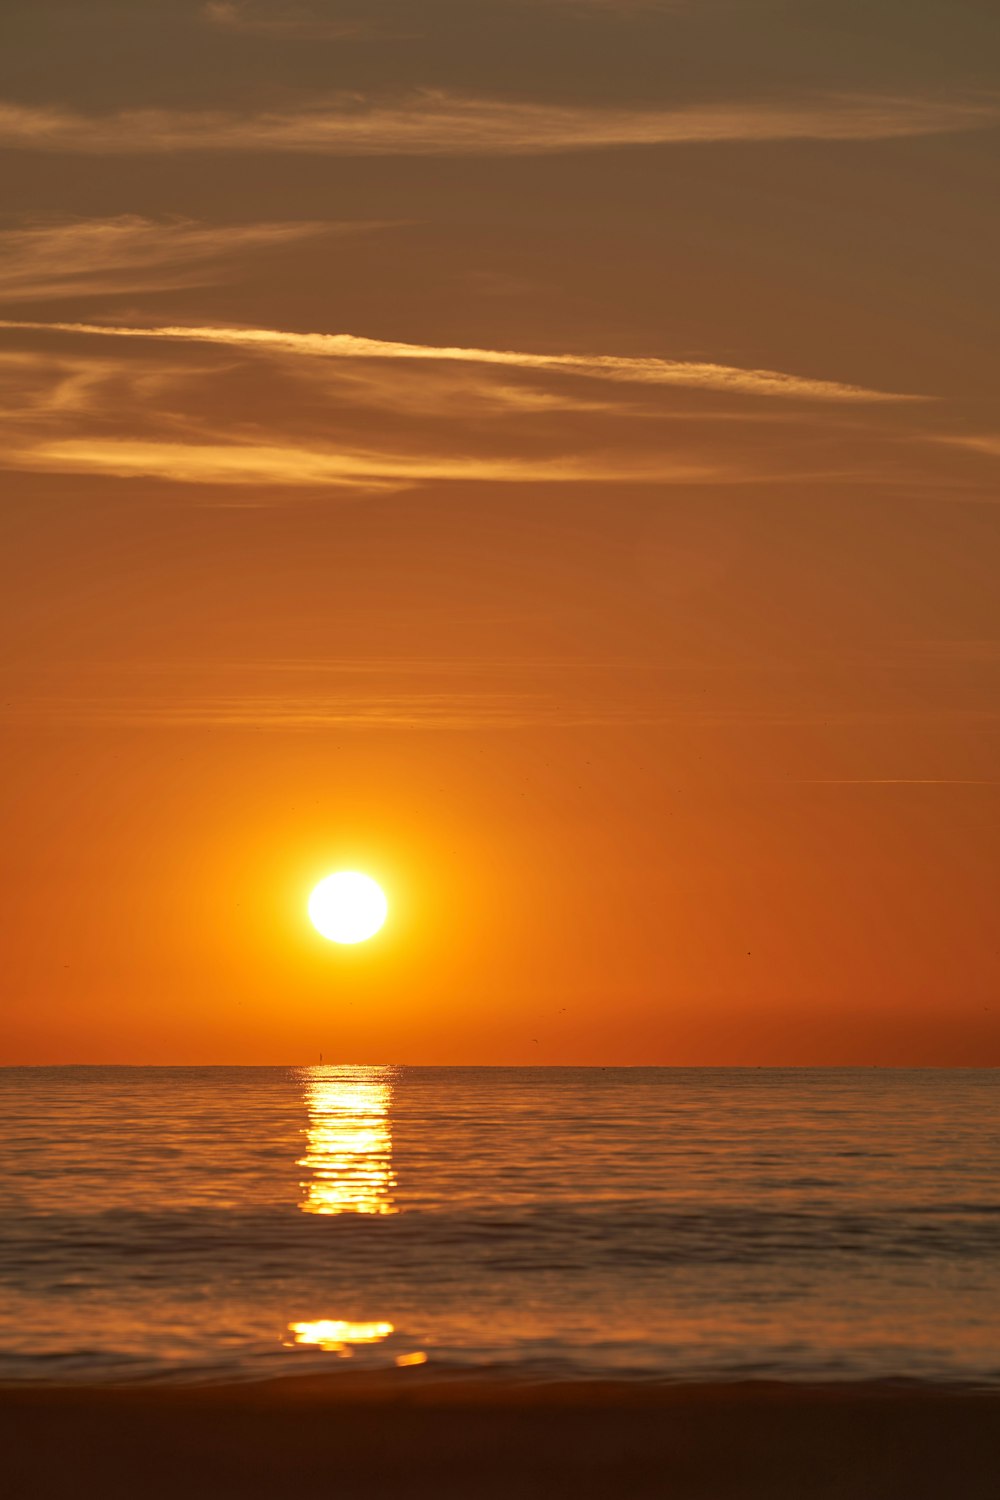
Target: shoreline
{"points": [[458, 1435]]}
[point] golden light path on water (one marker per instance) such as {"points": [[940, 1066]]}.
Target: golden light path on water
{"points": [[349, 1158], [348, 1142]]}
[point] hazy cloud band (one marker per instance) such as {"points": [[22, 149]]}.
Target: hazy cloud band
{"points": [[442, 124]]}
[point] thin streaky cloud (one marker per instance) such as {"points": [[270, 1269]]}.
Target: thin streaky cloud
{"points": [[262, 464], [90, 257], [435, 123], [892, 781], [418, 710], [422, 710], [642, 371], [560, 668]]}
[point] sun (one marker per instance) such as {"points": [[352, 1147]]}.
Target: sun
{"points": [[348, 907]]}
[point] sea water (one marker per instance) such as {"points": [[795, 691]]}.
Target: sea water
{"points": [[668, 1223]]}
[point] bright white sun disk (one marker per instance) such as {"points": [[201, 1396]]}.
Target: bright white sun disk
{"points": [[348, 907]]}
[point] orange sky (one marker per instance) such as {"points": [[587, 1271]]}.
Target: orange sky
{"points": [[542, 455]]}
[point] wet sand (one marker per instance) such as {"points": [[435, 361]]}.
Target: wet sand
{"points": [[419, 1433]]}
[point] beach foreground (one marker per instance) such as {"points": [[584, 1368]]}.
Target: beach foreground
{"points": [[423, 1433]]}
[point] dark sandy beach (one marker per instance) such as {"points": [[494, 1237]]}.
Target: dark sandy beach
{"points": [[418, 1433]]}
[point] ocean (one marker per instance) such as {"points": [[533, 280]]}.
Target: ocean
{"points": [[645, 1223]]}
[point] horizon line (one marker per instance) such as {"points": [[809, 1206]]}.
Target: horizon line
{"points": [[590, 1067]]}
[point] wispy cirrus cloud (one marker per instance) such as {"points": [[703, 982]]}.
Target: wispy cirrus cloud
{"points": [[435, 123], [39, 391], [259, 435], [651, 370], [301, 465], [91, 257]]}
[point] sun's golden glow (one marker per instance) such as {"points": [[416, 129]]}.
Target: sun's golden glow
{"points": [[348, 907]]}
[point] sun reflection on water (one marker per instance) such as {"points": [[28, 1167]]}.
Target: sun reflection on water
{"points": [[337, 1337], [348, 1142], [341, 1338]]}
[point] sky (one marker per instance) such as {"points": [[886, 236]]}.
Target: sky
{"points": [[543, 455]]}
